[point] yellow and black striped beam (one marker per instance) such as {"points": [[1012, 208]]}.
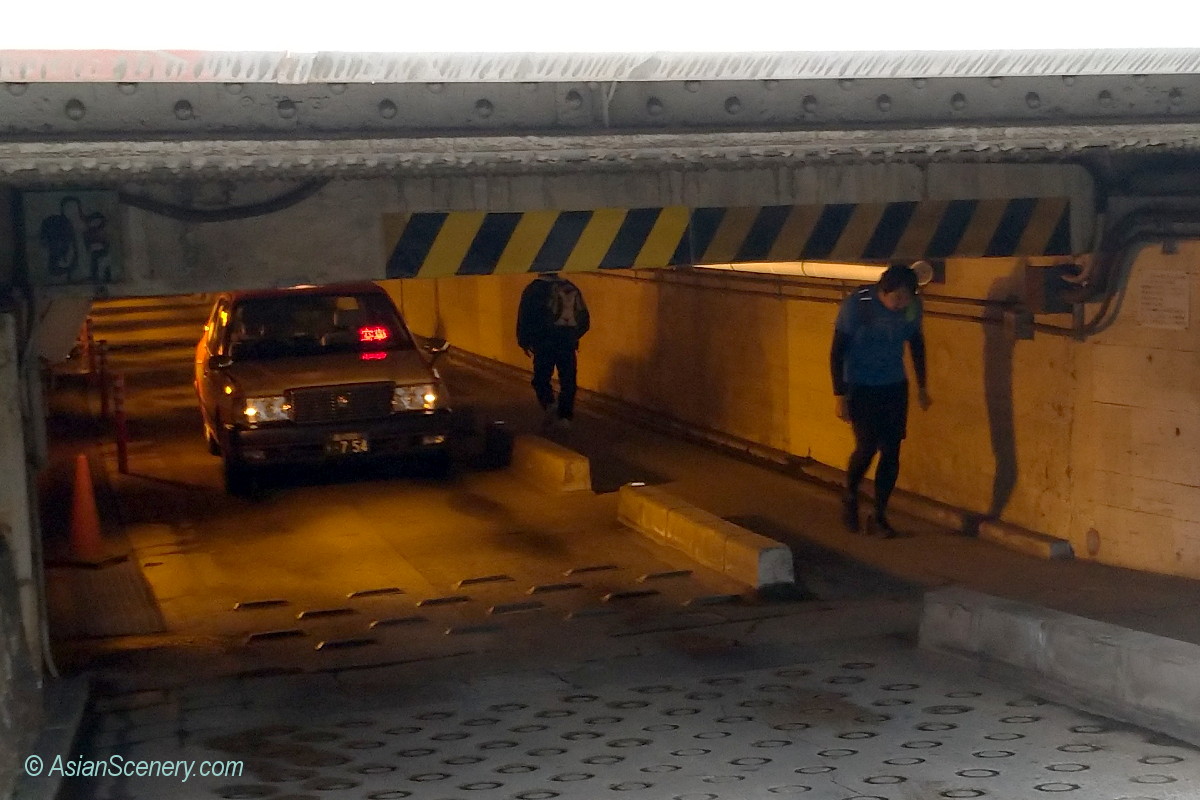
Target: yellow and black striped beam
{"points": [[436, 245]]}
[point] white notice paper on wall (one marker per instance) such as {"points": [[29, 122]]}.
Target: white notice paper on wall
{"points": [[1164, 299]]}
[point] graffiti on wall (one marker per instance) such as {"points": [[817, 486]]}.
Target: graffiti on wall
{"points": [[72, 237]]}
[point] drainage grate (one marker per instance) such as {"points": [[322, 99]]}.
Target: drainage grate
{"points": [[252, 605], [594, 568], [481, 628], [484, 579], [514, 608], [344, 644], [391, 621], [675, 573], [554, 587], [264, 636], [444, 601], [387, 590], [321, 613], [632, 594]]}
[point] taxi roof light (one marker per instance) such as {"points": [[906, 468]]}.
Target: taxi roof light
{"points": [[373, 333]]}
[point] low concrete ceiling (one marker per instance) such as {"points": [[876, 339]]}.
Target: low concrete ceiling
{"points": [[111, 117]]}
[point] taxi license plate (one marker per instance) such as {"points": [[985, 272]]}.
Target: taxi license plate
{"points": [[347, 443]]}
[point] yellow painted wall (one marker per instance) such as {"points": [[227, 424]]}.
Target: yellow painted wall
{"points": [[1102, 435]]}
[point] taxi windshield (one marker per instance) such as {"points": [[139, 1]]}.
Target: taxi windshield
{"points": [[314, 324]]}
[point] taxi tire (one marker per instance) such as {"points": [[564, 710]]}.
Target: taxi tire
{"points": [[437, 464], [240, 480]]}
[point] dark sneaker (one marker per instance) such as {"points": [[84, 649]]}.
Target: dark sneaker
{"points": [[850, 515], [879, 526]]}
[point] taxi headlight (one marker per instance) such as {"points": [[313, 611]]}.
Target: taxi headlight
{"points": [[267, 409], [420, 397]]}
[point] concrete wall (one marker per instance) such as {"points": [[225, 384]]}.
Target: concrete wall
{"points": [[1096, 442], [8, 237], [20, 698], [338, 233]]}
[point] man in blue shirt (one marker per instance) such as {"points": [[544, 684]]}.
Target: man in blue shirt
{"points": [[870, 384]]}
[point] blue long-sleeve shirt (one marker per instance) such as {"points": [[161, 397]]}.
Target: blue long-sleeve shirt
{"points": [[868, 342]]}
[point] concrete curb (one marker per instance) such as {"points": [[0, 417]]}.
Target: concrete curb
{"points": [[716, 543], [549, 466], [1025, 541], [1129, 675], [65, 703], [912, 504], [946, 516]]}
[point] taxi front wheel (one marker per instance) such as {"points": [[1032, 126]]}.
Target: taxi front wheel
{"points": [[240, 480]]}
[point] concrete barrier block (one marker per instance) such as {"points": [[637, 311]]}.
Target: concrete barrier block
{"points": [[549, 466], [757, 560], [963, 621], [1099, 667], [912, 504], [705, 537], [686, 525], [1091, 653], [1163, 676], [647, 509], [1025, 541], [707, 545]]}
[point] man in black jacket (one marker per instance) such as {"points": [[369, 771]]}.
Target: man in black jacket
{"points": [[550, 322], [870, 385]]}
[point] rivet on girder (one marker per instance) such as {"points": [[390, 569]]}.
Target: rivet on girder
{"points": [[959, 101], [1105, 98], [997, 81], [884, 102], [17, 89], [184, 110], [1175, 96], [387, 109], [770, 84], [846, 83], [1033, 100], [919, 83], [574, 100], [337, 88], [484, 108], [287, 109], [1140, 80], [75, 110], [1069, 80], [233, 88], [733, 106], [692, 86], [809, 104], [127, 88], [436, 88], [654, 106]]}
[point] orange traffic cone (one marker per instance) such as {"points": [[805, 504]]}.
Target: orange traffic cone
{"points": [[86, 544]]}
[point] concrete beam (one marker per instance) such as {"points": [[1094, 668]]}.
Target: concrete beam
{"points": [[1129, 675], [716, 543]]}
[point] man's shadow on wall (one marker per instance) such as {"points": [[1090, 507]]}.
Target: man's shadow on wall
{"points": [[998, 348]]}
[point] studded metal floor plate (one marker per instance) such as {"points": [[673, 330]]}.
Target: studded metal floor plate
{"points": [[887, 727]]}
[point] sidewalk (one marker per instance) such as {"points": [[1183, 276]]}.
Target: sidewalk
{"points": [[703, 713], [1109, 640]]}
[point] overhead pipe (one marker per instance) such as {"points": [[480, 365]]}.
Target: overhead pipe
{"points": [[860, 273]]}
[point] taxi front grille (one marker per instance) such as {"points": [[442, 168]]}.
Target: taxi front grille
{"points": [[357, 401]]}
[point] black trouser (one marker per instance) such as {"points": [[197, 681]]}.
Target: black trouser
{"points": [[548, 357], [879, 416]]}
